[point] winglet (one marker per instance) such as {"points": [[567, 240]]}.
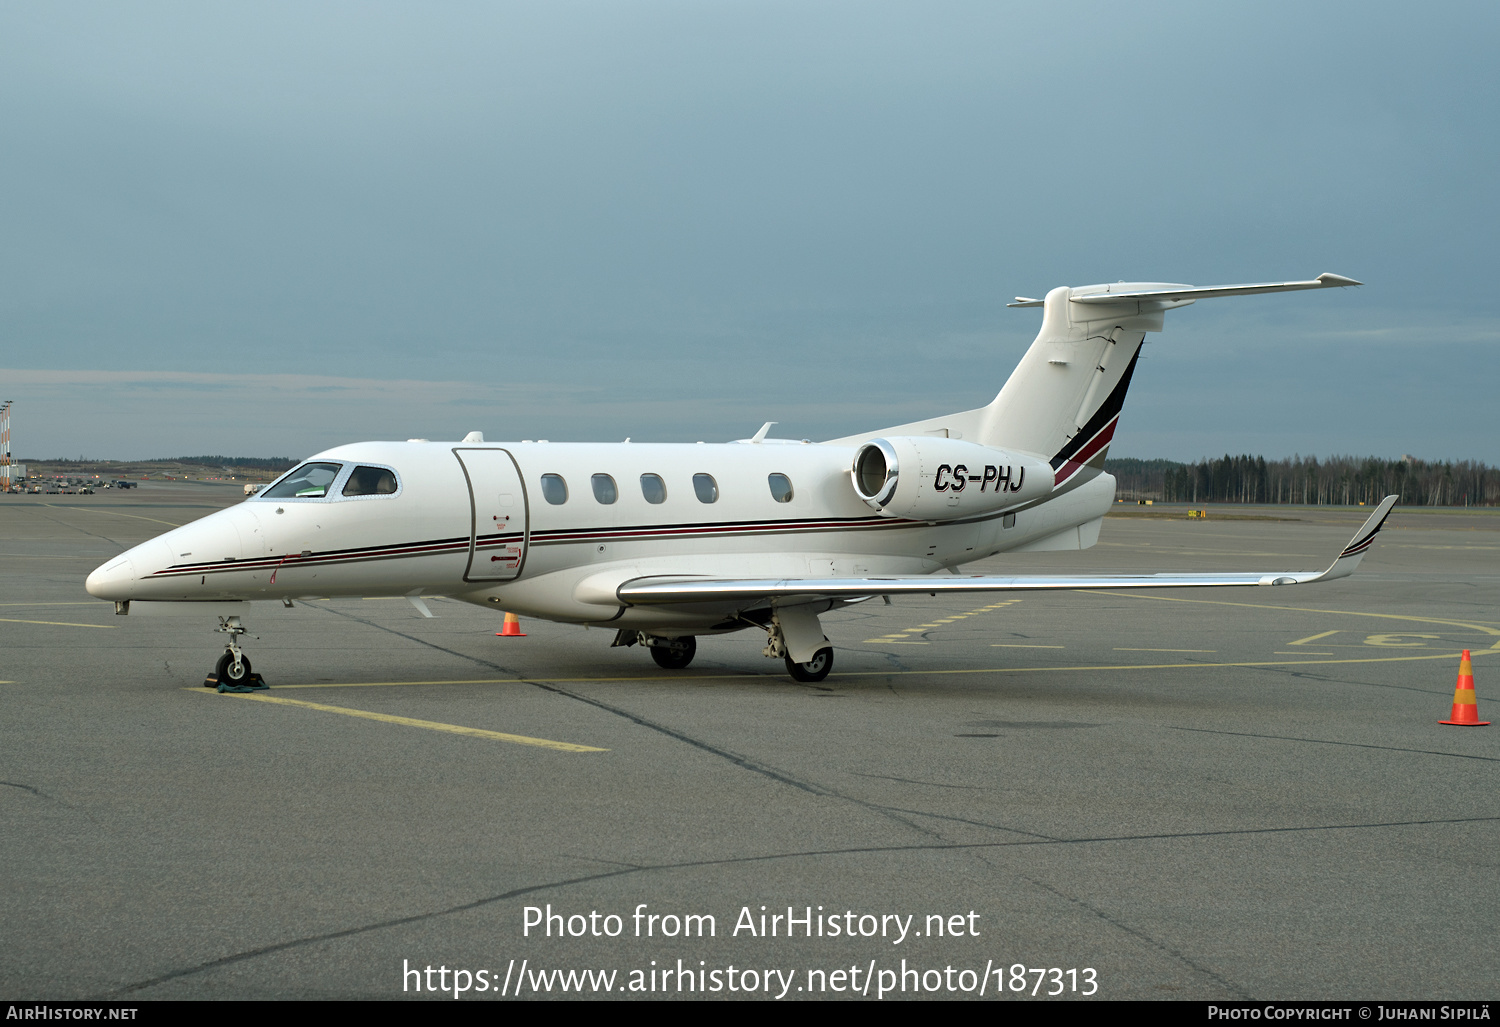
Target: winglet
{"points": [[1363, 539]]}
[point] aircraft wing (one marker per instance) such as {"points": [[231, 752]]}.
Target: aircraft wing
{"points": [[663, 590]]}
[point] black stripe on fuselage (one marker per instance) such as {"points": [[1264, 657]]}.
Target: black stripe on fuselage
{"points": [[719, 529]]}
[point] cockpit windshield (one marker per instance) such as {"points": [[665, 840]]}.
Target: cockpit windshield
{"points": [[310, 481]]}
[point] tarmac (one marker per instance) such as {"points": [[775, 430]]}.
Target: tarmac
{"points": [[1194, 794]]}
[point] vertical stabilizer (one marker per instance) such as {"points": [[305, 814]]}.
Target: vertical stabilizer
{"points": [[1063, 400]]}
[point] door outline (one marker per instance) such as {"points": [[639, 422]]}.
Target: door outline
{"points": [[474, 512]]}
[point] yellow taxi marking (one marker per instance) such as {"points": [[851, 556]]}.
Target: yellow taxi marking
{"points": [[885, 673], [1314, 638], [1304, 609], [1300, 652], [430, 725], [1159, 666], [903, 637], [1123, 649], [56, 623], [1017, 645], [1392, 641], [91, 603], [115, 513]]}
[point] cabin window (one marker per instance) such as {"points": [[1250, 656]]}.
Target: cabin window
{"points": [[554, 489], [706, 488], [604, 489], [370, 481], [310, 481], [653, 488], [781, 488]]}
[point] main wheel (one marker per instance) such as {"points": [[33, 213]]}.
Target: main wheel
{"points": [[225, 670], [675, 658], [815, 669]]}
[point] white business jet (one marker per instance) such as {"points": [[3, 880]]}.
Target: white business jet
{"points": [[668, 542]]}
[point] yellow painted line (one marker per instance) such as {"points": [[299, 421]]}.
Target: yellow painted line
{"points": [[1304, 652], [1314, 638], [526, 681], [1298, 609], [56, 623], [430, 725], [889, 673], [1157, 666], [94, 602], [1123, 649], [154, 520], [1017, 645]]}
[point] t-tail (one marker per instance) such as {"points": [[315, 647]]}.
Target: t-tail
{"points": [[1063, 400]]}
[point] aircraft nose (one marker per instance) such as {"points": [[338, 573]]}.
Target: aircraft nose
{"points": [[112, 579]]}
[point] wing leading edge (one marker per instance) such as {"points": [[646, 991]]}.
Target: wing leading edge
{"points": [[661, 590]]}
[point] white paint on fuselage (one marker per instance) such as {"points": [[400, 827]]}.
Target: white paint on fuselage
{"points": [[746, 533]]}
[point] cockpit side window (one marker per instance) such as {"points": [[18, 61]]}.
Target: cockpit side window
{"points": [[370, 481], [310, 481]]}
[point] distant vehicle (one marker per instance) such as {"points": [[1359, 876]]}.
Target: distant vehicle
{"points": [[84, 490], [125, 485], [251, 490]]}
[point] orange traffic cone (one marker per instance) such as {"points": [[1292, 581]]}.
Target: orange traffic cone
{"points": [[1465, 709], [512, 629]]}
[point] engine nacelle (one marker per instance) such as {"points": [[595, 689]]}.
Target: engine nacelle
{"points": [[938, 479]]}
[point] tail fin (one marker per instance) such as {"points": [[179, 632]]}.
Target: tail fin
{"points": [[1064, 399]]}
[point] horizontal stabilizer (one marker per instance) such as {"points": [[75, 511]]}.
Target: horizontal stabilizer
{"points": [[1160, 292], [655, 591], [1177, 293]]}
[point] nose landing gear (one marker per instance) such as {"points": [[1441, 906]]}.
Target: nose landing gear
{"points": [[232, 673]]}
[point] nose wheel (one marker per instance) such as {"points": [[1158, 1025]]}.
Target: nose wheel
{"points": [[232, 673]]}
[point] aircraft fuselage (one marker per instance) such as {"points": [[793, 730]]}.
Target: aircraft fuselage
{"points": [[548, 529]]}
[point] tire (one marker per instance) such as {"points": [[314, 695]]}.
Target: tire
{"points": [[815, 669], [225, 670], [675, 659]]}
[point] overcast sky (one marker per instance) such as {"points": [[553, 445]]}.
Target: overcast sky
{"points": [[265, 229]]}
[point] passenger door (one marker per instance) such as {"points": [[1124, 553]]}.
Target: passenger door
{"points": [[498, 522]]}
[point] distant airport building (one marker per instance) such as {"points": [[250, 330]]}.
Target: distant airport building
{"points": [[8, 478]]}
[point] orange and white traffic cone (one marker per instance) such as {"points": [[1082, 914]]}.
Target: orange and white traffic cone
{"points": [[512, 629], [1465, 709]]}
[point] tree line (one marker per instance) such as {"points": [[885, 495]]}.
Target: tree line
{"points": [[1308, 481]]}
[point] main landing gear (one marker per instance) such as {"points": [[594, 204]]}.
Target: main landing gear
{"points": [[669, 653], [232, 673], [796, 628], [815, 669], [790, 628]]}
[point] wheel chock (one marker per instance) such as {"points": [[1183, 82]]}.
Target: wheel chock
{"points": [[254, 683]]}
